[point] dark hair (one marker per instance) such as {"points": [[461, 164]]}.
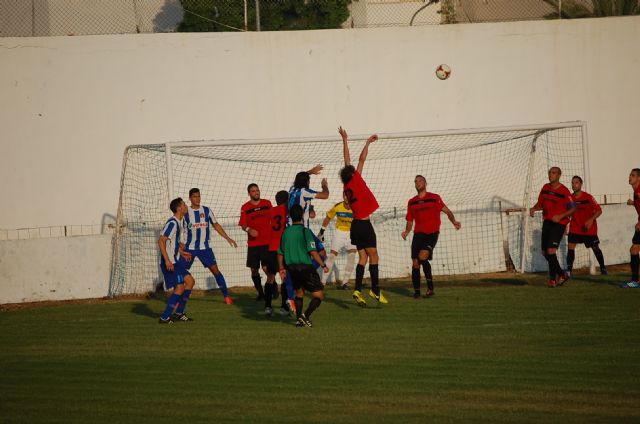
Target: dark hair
{"points": [[296, 212], [250, 186], [556, 167], [420, 177], [194, 191], [175, 204], [346, 173], [302, 180], [282, 197], [636, 170], [576, 177]]}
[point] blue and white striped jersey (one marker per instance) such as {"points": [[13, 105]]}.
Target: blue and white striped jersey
{"points": [[172, 230], [302, 197], [198, 227]]}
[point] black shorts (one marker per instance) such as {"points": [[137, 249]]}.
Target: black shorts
{"points": [[272, 264], [552, 233], [636, 238], [588, 241], [305, 277], [423, 241], [362, 234], [257, 255]]}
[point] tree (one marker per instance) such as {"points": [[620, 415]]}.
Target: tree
{"points": [[275, 15], [575, 9]]}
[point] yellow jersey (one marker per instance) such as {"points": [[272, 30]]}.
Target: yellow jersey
{"points": [[343, 216]]}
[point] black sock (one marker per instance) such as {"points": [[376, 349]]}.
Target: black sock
{"points": [[283, 295], [359, 276], [313, 305], [268, 294], [571, 256], [552, 271], [635, 267], [554, 266], [426, 267], [415, 279], [257, 284], [599, 256], [373, 272], [298, 301]]}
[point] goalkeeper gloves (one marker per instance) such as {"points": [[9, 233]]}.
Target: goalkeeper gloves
{"points": [[321, 234]]}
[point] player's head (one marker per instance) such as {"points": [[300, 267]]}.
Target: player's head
{"points": [[282, 197], [634, 176], [576, 183], [554, 174], [346, 173], [194, 196], [296, 212], [254, 191], [302, 180], [421, 183], [176, 205], [345, 200]]}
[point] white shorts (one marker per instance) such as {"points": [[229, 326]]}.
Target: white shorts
{"points": [[341, 239]]}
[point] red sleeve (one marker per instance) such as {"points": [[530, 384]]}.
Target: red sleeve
{"points": [[409, 212], [596, 205], [243, 218], [441, 204]]}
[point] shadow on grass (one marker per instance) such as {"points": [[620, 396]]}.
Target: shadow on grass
{"points": [[143, 309], [253, 310], [504, 281]]}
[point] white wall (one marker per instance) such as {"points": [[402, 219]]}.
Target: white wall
{"points": [[55, 269], [70, 105]]}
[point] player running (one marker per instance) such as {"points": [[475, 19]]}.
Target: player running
{"points": [[173, 263], [557, 206], [634, 181], [424, 209], [255, 220], [294, 259], [363, 203], [198, 220], [341, 240], [583, 228]]}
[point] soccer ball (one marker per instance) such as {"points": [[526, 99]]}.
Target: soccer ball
{"points": [[443, 71]]}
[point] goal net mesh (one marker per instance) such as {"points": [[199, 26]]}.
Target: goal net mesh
{"points": [[488, 178]]}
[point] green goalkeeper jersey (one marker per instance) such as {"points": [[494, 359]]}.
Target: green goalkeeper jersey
{"points": [[296, 243]]}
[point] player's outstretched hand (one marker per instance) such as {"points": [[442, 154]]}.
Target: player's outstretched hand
{"points": [[283, 274], [404, 235], [532, 212], [232, 242], [186, 255], [457, 225], [630, 202], [343, 133], [316, 169], [169, 266], [372, 138], [253, 232]]}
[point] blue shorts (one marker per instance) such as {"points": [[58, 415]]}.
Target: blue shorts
{"points": [[206, 257], [175, 277]]}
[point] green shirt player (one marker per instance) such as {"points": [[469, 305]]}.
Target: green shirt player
{"points": [[297, 247]]}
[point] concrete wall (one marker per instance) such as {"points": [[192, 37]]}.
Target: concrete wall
{"points": [[55, 269], [71, 105]]}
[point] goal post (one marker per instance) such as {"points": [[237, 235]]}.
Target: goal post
{"points": [[488, 177]]}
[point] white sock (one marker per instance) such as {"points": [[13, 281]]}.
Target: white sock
{"points": [[329, 264], [348, 267]]}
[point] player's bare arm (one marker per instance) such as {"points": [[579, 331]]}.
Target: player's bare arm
{"points": [[365, 152], [407, 230], [324, 194], [281, 268], [224, 235], [315, 170], [452, 218], [162, 244], [316, 257], [325, 224], [534, 209], [589, 222], [345, 146]]}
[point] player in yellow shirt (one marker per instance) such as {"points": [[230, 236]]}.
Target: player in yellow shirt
{"points": [[341, 240]]}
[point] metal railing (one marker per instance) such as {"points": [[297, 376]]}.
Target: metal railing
{"points": [[34, 18]]}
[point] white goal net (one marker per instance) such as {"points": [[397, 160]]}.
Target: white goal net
{"points": [[487, 177]]}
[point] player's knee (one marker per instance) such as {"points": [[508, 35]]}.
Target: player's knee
{"points": [[551, 251], [319, 294], [635, 249], [214, 270], [423, 256], [415, 264], [179, 289], [189, 282], [255, 272]]}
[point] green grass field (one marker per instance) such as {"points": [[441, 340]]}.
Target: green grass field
{"points": [[503, 349]]}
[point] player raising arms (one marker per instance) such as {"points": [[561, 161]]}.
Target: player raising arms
{"points": [[363, 203], [301, 194], [584, 228], [557, 206], [198, 220], [424, 209], [634, 181], [255, 220], [341, 240], [173, 264]]}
